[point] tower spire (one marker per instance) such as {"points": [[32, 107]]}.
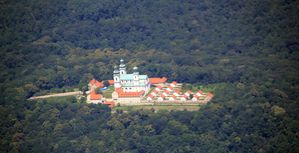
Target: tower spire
{"points": [[116, 71], [122, 67], [135, 70]]}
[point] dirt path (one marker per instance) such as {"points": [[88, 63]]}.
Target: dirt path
{"points": [[57, 95]]}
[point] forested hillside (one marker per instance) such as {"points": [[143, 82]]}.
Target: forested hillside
{"points": [[248, 51]]}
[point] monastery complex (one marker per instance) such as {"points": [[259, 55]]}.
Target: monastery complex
{"points": [[138, 89]]}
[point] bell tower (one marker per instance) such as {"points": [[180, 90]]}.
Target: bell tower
{"points": [[116, 78], [136, 77], [135, 73], [122, 67]]}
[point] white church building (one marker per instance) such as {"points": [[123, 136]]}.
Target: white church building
{"points": [[129, 85], [130, 82]]}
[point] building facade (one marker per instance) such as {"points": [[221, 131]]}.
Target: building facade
{"points": [[133, 82]]}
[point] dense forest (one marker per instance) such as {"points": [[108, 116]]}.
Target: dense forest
{"points": [[247, 50]]}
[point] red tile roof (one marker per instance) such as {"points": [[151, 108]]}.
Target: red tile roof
{"points": [[174, 82], [109, 103], [177, 91], [159, 87], [97, 83], [166, 91], [151, 96], [155, 91], [92, 81], [95, 96], [210, 95], [157, 80], [121, 93], [163, 96], [111, 82]]}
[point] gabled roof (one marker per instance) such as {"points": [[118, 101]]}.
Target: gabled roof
{"points": [[162, 96], [96, 83], [166, 91], [177, 91], [121, 93], [151, 96], [155, 91], [157, 80], [159, 87], [95, 96]]}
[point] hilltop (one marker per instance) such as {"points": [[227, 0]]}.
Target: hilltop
{"points": [[245, 51]]}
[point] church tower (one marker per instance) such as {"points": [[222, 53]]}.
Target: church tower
{"points": [[136, 77], [122, 67], [135, 73], [116, 78]]}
